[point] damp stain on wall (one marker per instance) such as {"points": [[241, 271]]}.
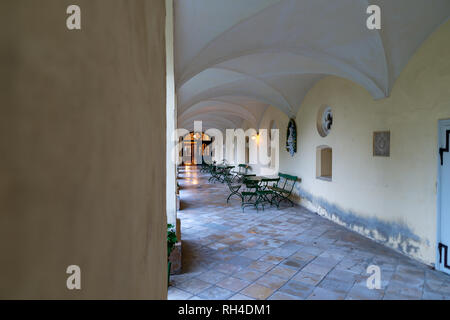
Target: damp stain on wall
{"points": [[394, 234]]}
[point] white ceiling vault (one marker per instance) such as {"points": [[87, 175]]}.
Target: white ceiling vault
{"points": [[234, 58]]}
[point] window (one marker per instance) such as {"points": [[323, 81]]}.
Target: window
{"points": [[324, 163]]}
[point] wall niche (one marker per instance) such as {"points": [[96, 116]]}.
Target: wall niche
{"points": [[324, 163]]}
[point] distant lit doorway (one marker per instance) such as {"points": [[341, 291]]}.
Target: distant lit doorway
{"points": [[196, 149]]}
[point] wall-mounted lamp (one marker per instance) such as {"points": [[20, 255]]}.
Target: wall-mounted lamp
{"points": [[256, 137]]}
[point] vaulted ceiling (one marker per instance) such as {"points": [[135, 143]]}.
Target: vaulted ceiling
{"points": [[234, 58]]}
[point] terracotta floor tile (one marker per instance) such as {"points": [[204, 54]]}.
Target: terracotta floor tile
{"points": [[224, 249], [257, 291], [233, 284]]}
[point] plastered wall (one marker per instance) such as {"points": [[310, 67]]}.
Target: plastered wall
{"points": [[171, 111], [82, 145], [391, 200]]}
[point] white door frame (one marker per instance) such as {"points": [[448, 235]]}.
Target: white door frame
{"points": [[441, 123]]}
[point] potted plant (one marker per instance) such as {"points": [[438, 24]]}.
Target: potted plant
{"points": [[171, 241]]}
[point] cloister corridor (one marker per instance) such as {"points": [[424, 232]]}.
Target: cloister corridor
{"points": [[117, 116], [289, 253]]}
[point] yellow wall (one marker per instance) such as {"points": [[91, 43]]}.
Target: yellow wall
{"points": [[392, 200], [82, 144]]}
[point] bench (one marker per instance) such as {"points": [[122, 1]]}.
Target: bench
{"points": [[283, 189]]}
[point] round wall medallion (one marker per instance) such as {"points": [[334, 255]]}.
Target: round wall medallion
{"points": [[324, 120]]}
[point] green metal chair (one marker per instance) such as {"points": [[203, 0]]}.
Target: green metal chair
{"points": [[205, 167], [223, 172], [215, 174], [241, 172], [264, 193], [283, 189], [234, 187], [249, 196]]}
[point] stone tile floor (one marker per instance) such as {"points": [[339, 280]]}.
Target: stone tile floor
{"points": [[286, 254]]}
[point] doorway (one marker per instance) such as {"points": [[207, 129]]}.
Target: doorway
{"points": [[443, 193], [196, 149]]}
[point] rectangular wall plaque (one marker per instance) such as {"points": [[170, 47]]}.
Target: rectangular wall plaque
{"points": [[382, 144]]}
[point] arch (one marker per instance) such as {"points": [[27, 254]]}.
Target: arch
{"points": [[285, 22], [347, 71], [260, 79], [210, 119], [216, 105], [236, 91], [245, 55], [242, 85]]}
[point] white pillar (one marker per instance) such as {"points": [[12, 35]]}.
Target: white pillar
{"points": [[171, 117]]}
